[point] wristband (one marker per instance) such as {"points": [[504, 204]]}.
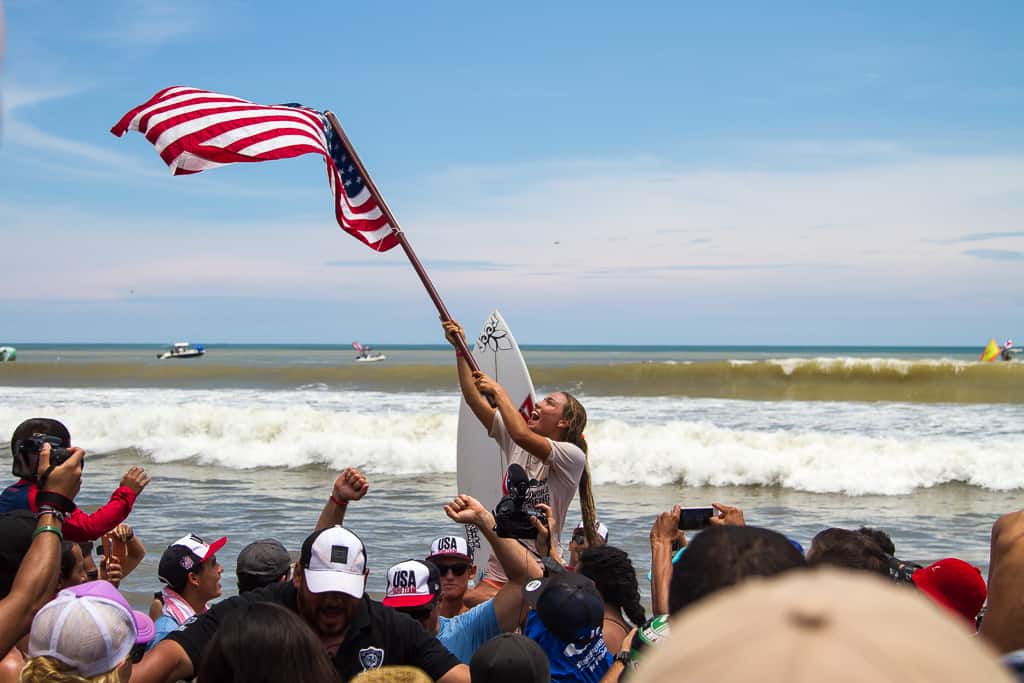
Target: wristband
{"points": [[459, 354], [339, 503], [55, 501], [49, 510], [44, 529]]}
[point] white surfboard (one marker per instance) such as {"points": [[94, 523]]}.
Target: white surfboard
{"points": [[481, 464]]}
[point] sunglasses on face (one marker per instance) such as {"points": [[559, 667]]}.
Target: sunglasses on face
{"points": [[455, 569]]}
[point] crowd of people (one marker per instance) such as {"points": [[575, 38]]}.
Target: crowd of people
{"points": [[734, 602]]}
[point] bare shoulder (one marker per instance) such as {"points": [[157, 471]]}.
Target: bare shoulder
{"points": [[10, 666]]}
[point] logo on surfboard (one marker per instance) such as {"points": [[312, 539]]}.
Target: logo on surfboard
{"points": [[494, 336]]}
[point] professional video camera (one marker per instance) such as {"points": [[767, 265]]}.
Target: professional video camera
{"points": [[513, 513]]}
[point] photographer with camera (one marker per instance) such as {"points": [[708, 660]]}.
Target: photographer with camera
{"points": [[30, 553], [27, 444], [548, 444]]}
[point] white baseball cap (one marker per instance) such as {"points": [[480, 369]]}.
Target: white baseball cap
{"points": [[90, 633], [334, 560], [412, 584], [450, 546]]}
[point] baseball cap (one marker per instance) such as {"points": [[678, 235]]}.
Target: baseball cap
{"points": [[412, 584], [184, 557], [451, 546], [90, 628], [510, 658], [266, 557], [334, 560], [821, 625], [568, 605], [954, 584]]}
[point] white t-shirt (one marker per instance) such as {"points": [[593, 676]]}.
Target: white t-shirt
{"points": [[558, 479]]}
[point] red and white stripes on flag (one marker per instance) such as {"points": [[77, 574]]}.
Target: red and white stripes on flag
{"points": [[194, 130]]}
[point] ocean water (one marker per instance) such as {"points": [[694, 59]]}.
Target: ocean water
{"points": [[925, 443]]}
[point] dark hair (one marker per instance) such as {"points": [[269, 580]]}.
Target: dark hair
{"points": [[263, 642], [16, 530], [883, 539], [723, 556], [615, 577], [849, 549], [67, 560], [250, 582]]}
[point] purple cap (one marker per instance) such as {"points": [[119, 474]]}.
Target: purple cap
{"points": [[103, 589]]}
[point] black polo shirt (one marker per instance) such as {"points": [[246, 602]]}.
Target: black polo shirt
{"points": [[378, 635]]}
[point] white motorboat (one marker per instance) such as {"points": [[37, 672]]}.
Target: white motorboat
{"points": [[367, 354], [182, 350]]}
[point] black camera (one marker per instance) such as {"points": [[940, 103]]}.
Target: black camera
{"points": [[901, 571], [26, 457], [513, 514]]}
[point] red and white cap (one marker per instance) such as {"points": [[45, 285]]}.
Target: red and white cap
{"points": [[184, 557], [412, 584], [450, 546]]}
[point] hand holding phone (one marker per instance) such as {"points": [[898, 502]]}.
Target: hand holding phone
{"points": [[692, 519], [114, 548]]}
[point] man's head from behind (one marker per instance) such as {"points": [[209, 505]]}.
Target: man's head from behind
{"points": [[848, 549], [262, 563], [330, 579], [454, 561], [722, 556], [16, 530]]}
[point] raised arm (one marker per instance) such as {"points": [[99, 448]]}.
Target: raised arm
{"points": [[1003, 625], [519, 566], [479, 404], [39, 570], [663, 532], [349, 486]]}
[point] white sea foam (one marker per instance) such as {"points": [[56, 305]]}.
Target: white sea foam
{"points": [[846, 448], [844, 363]]}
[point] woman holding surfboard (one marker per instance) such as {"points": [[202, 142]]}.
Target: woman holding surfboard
{"points": [[548, 443]]}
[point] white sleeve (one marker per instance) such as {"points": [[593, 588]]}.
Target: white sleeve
{"points": [[500, 434]]}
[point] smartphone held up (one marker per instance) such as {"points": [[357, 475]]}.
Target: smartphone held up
{"points": [[694, 519]]}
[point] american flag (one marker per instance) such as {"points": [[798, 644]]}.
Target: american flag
{"points": [[194, 130]]}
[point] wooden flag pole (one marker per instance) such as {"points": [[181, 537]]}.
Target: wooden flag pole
{"points": [[413, 259]]}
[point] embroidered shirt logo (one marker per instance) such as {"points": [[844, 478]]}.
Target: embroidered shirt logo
{"points": [[371, 658]]}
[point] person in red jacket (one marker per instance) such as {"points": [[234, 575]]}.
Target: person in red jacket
{"points": [[27, 441]]}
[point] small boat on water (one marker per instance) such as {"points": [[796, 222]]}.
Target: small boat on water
{"points": [[8, 354], [182, 350], [367, 354]]}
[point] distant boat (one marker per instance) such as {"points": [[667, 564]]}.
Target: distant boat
{"points": [[8, 354], [182, 350], [367, 354]]}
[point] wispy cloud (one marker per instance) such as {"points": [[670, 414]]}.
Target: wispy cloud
{"points": [[996, 254], [152, 23]]}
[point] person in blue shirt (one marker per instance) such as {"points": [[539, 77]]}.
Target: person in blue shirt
{"points": [[566, 621], [414, 587]]}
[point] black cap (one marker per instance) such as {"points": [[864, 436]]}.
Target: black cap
{"points": [[568, 605], [510, 658], [34, 428], [267, 557]]}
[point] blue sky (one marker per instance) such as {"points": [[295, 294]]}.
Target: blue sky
{"points": [[665, 173]]}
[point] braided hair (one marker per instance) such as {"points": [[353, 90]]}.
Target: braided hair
{"points": [[576, 415], [615, 577]]}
